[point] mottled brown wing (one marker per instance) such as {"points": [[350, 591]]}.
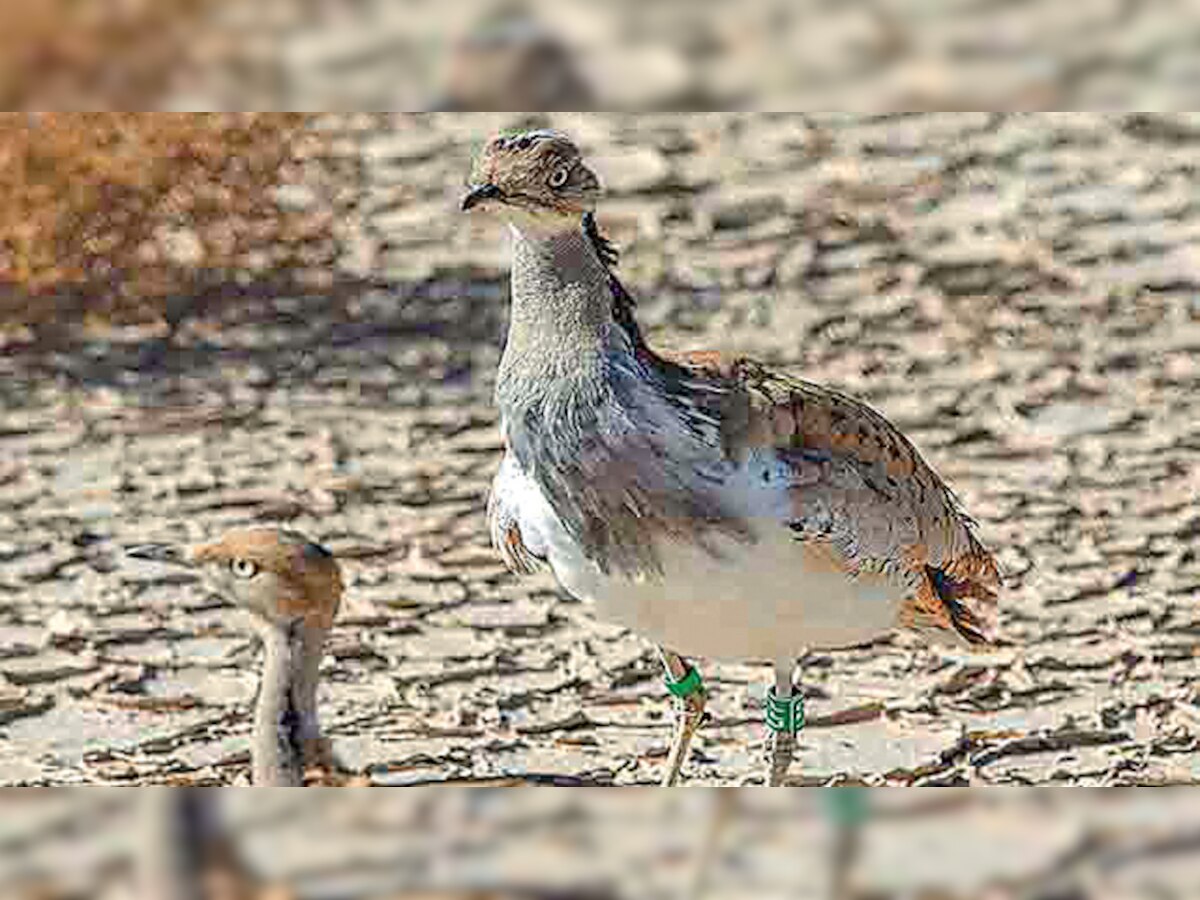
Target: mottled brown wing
{"points": [[858, 484]]}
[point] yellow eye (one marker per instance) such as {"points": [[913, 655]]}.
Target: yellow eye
{"points": [[559, 178], [243, 568]]}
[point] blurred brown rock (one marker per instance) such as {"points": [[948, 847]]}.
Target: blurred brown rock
{"points": [[510, 61]]}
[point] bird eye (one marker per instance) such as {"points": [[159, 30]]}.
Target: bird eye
{"points": [[243, 568], [559, 178]]}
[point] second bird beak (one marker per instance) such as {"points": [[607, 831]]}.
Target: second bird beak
{"points": [[480, 193], [171, 554]]}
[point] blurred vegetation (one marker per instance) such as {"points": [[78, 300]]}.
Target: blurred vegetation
{"points": [[98, 54], [115, 212]]}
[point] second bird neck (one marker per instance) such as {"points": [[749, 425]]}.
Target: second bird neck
{"points": [[561, 324], [285, 717]]}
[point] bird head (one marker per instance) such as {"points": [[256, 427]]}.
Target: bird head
{"points": [[534, 179], [279, 575]]}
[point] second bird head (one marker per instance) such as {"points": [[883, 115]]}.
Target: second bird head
{"points": [[534, 179], [277, 574]]}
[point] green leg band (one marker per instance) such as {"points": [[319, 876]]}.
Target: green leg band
{"points": [[846, 805], [689, 684], [786, 714]]}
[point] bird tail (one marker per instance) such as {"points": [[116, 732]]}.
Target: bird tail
{"points": [[967, 590]]}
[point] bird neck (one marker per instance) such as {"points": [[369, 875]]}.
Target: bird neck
{"points": [[285, 717], [561, 323], [182, 845]]}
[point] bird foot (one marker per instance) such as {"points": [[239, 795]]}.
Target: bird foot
{"points": [[690, 699]]}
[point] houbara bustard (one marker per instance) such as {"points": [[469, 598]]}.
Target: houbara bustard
{"points": [[292, 587], [717, 507]]}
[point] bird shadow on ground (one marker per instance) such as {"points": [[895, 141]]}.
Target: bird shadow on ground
{"points": [[277, 326]]}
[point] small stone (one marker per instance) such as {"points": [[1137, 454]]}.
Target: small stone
{"points": [[17, 702], [1073, 419], [181, 246], [67, 623], [632, 170], [47, 666], [295, 197], [502, 616]]}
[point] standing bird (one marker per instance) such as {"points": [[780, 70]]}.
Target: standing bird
{"points": [[293, 588], [715, 506]]}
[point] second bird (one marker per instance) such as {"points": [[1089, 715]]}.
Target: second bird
{"points": [[714, 506], [292, 587]]}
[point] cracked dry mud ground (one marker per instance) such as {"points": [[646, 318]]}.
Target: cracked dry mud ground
{"points": [[594, 844], [1017, 292]]}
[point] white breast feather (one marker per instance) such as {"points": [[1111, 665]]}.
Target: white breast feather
{"points": [[770, 599]]}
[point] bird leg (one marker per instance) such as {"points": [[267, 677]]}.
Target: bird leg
{"points": [[725, 806], [847, 810], [687, 689], [784, 715]]}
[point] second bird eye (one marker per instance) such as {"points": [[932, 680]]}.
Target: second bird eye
{"points": [[559, 178], [243, 568]]}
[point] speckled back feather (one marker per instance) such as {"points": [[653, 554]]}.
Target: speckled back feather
{"points": [[858, 483]]}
